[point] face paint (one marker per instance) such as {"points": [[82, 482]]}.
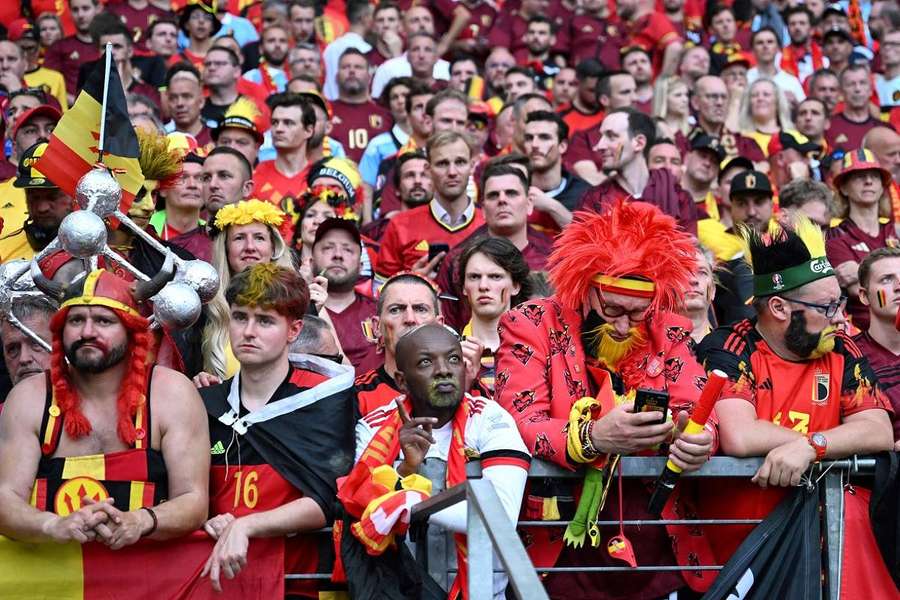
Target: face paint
{"points": [[611, 351], [808, 345], [882, 298]]}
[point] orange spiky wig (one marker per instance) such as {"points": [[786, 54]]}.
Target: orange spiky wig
{"points": [[632, 248], [102, 288]]}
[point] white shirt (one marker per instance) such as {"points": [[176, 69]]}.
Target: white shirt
{"points": [[332, 56], [489, 429], [399, 67], [784, 80], [888, 90], [444, 217]]}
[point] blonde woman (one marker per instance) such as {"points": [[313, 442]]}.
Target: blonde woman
{"points": [[249, 235], [671, 106], [764, 111]]}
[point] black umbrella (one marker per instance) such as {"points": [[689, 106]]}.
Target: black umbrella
{"points": [[781, 558]]}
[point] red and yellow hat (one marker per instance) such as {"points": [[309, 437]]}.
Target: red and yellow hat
{"points": [[861, 160]]}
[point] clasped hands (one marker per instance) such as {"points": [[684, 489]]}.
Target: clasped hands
{"points": [[623, 431], [100, 521]]}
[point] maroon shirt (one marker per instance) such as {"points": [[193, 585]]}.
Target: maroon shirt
{"points": [[138, 20], [479, 25], [348, 326], [375, 57], [581, 147], [848, 135], [67, 55], [848, 243], [509, 32], [353, 125], [886, 365]]}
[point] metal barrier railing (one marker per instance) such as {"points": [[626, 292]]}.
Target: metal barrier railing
{"points": [[489, 530]]}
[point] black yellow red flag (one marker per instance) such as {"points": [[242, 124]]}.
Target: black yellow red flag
{"points": [[74, 144]]}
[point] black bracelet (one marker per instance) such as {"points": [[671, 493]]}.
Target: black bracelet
{"points": [[155, 521]]}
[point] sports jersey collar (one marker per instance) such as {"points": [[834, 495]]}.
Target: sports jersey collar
{"points": [[399, 135], [443, 218], [340, 379]]}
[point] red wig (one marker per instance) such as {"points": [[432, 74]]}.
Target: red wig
{"points": [[134, 383], [629, 239]]}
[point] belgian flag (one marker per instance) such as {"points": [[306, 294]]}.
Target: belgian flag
{"points": [[74, 144]]}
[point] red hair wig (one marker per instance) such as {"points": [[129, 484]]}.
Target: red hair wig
{"points": [[633, 239], [134, 383]]}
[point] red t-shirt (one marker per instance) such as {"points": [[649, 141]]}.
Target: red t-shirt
{"points": [[409, 234], [353, 125], [808, 396], [581, 147], [271, 185], [579, 121], [138, 20], [653, 33], [591, 37], [349, 328], [510, 27], [480, 23], [848, 243], [848, 135], [67, 55]]}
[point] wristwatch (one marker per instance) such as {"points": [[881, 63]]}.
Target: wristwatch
{"points": [[819, 443]]}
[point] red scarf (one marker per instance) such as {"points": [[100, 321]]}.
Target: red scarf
{"points": [[267, 82], [384, 450], [791, 56]]}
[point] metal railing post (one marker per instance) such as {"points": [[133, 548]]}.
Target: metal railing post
{"points": [[479, 556], [834, 529]]}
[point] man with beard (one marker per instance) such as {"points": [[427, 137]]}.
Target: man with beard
{"points": [[564, 364], [803, 55], [292, 422], [431, 431], [336, 255], [103, 400], [46, 204], [414, 188], [22, 355], [270, 73], [356, 117], [625, 135], [293, 123], [554, 191], [799, 391], [540, 37], [68, 54]]}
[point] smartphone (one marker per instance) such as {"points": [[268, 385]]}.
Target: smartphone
{"points": [[435, 249], [650, 401]]}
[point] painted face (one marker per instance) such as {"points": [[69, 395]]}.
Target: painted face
{"points": [[488, 287]]}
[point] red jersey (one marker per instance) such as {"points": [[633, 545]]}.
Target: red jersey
{"points": [[138, 21], [480, 22], [509, 31], [653, 33], [808, 396], [353, 125], [349, 328], [409, 234], [848, 243], [271, 185], [591, 37], [579, 121], [67, 55], [374, 390], [848, 135], [886, 366], [581, 147]]}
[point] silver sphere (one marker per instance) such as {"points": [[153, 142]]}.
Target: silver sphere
{"points": [[82, 234], [201, 276], [24, 282], [99, 192], [176, 306]]}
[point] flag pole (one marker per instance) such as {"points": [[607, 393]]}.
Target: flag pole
{"points": [[103, 105]]}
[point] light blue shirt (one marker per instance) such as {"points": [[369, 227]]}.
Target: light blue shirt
{"points": [[382, 146]]}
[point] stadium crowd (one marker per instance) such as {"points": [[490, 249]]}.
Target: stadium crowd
{"points": [[449, 230]]}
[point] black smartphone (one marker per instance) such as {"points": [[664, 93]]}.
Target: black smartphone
{"points": [[652, 400], [435, 249]]}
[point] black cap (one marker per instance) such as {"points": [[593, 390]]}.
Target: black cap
{"points": [[786, 141], [835, 9], [738, 161], [752, 182], [837, 31], [348, 225], [702, 141], [26, 175]]}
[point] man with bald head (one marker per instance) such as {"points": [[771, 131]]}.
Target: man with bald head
{"points": [[429, 431], [710, 102], [884, 143]]}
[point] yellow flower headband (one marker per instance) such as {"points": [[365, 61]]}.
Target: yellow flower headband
{"points": [[249, 211]]}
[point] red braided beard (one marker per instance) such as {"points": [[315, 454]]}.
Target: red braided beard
{"points": [[131, 392]]}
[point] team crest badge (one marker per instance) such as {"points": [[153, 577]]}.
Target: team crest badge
{"points": [[375, 121], [69, 496], [822, 389], [750, 180], [777, 281]]}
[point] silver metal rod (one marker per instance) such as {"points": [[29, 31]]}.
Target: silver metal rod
{"points": [[106, 73], [15, 322]]}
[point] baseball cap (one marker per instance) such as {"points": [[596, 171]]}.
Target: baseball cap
{"points": [[786, 141], [835, 9], [838, 32], [26, 175], [21, 29], [745, 164], [702, 141], [41, 110], [348, 225], [753, 182]]}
